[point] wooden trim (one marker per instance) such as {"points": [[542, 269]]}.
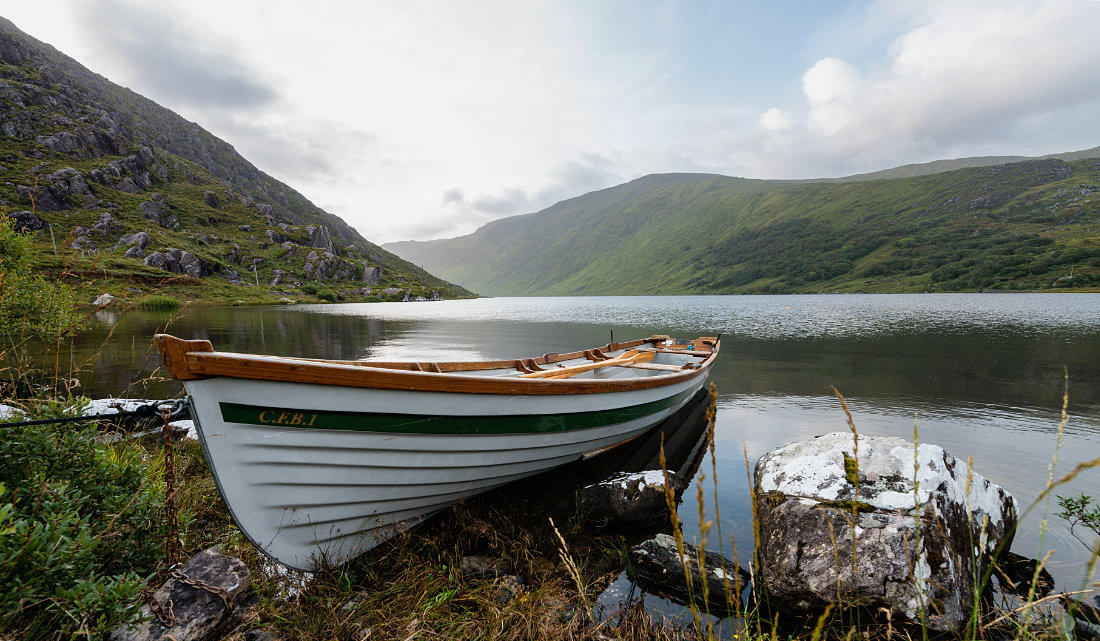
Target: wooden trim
{"points": [[173, 351], [189, 360], [655, 366], [565, 372]]}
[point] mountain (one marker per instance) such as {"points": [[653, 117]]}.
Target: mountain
{"points": [[125, 196], [940, 166], [1030, 224]]}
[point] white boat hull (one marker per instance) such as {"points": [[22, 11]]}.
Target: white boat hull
{"points": [[317, 474]]}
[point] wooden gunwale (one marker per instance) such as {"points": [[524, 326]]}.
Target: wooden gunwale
{"points": [[190, 360]]}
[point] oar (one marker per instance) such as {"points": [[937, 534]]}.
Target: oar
{"points": [[565, 372]]}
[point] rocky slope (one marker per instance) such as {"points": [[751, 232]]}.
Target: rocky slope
{"points": [[124, 195], [1032, 224]]}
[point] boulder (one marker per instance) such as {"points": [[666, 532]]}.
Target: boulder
{"points": [[371, 275], [658, 567], [916, 546], [106, 224], [28, 221], [46, 197], [320, 238], [135, 253], [158, 213], [69, 181], [140, 239], [190, 612], [156, 259], [211, 200], [103, 300], [628, 499]]}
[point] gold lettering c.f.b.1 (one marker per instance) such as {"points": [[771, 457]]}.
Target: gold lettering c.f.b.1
{"points": [[280, 417]]}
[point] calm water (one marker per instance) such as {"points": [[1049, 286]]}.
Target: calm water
{"points": [[980, 374]]}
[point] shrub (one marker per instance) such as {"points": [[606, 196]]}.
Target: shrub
{"points": [[327, 294], [31, 307], [81, 528], [160, 301], [309, 288]]}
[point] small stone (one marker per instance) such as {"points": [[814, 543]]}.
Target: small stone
{"points": [[508, 588], [481, 567]]}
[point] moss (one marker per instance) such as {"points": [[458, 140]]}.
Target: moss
{"points": [[850, 505], [851, 469]]}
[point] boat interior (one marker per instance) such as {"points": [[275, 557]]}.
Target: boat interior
{"points": [[653, 356]]}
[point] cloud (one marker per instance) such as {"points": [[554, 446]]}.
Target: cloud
{"points": [[171, 63], [960, 75]]}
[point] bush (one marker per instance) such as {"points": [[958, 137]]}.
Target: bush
{"points": [[160, 301], [81, 529], [31, 307], [327, 294], [308, 288]]}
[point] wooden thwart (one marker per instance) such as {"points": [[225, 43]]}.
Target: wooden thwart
{"points": [[627, 358]]}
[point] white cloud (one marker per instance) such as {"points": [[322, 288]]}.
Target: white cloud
{"points": [[962, 75], [776, 119]]}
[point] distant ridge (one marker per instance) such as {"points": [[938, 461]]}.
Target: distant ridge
{"points": [[940, 166], [1022, 225]]}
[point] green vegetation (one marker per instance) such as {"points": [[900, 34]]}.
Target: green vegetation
{"points": [[80, 527], [160, 301], [34, 311], [1079, 510], [1023, 226]]}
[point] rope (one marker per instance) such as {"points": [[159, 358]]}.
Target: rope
{"points": [[152, 410]]}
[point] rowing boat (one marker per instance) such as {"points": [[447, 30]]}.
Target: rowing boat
{"points": [[321, 460]]}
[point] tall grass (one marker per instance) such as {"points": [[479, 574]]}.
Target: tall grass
{"points": [[987, 620]]}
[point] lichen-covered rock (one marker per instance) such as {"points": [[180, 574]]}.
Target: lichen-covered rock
{"points": [[917, 545], [628, 499], [658, 566]]}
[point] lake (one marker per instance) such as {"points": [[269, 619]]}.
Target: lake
{"points": [[981, 375]]}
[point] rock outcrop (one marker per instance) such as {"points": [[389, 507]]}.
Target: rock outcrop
{"points": [[658, 566], [193, 603], [635, 499], [862, 528]]}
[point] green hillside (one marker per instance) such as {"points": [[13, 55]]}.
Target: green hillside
{"points": [[1022, 225], [123, 196]]}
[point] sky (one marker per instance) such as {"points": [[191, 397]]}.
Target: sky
{"points": [[421, 119]]}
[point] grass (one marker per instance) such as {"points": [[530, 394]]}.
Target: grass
{"points": [[161, 302]]}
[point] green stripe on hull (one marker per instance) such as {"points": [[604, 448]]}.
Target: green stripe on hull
{"points": [[426, 424]]}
